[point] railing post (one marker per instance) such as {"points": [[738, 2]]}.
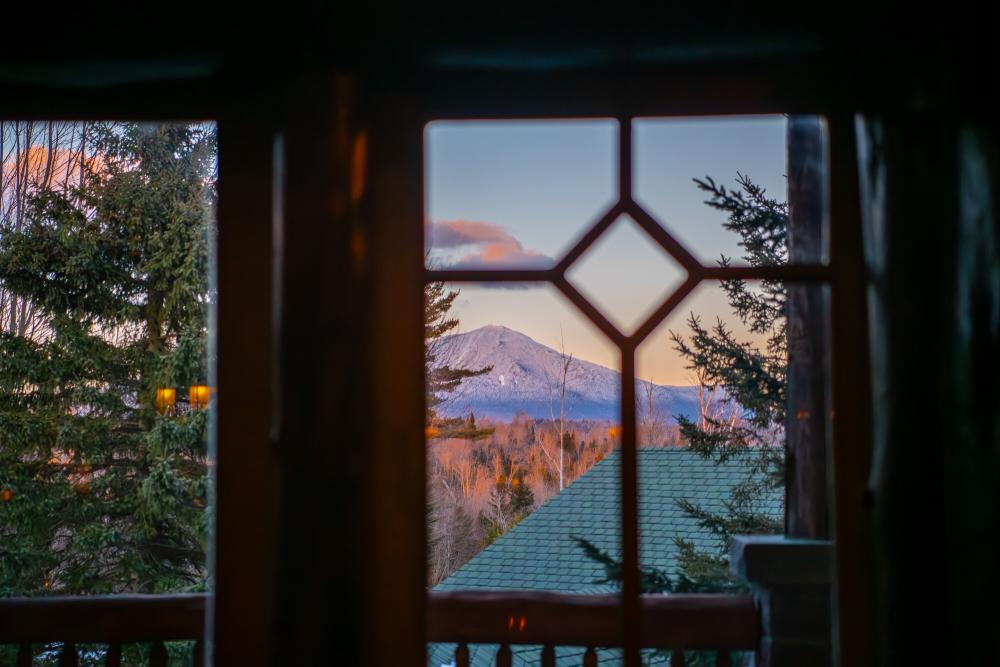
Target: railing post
{"points": [[504, 656], [24, 655], [462, 655], [157, 655], [68, 656], [791, 585]]}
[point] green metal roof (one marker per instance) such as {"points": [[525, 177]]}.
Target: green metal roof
{"points": [[540, 553]]}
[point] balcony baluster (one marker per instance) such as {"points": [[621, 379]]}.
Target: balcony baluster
{"points": [[504, 657], [462, 655], [68, 656], [158, 655], [114, 658]]}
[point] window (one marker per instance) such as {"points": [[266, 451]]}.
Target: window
{"points": [[107, 297], [685, 226]]}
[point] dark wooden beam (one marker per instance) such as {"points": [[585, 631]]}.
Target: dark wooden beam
{"points": [[103, 618], [247, 496]]}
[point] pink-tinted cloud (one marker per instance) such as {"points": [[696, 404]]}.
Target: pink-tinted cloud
{"points": [[488, 245], [455, 233]]}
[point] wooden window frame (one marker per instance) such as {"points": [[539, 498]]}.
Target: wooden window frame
{"points": [[689, 91], [239, 615]]}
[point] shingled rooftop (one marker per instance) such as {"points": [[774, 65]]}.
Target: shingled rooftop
{"points": [[540, 553]]}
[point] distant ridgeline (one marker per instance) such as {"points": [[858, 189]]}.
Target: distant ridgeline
{"points": [[524, 379]]}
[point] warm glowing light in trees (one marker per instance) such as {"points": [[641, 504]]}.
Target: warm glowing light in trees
{"points": [[198, 396], [165, 399]]}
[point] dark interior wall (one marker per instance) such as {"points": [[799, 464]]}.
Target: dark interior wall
{"points": [[212, 50], [933, 242]]}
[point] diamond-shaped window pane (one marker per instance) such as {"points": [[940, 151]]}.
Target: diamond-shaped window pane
{"points": [[626, 274], [514, 194]]}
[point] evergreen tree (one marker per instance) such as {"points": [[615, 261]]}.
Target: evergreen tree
{"points": [[440, 379], [101, 491], [752, 381]]}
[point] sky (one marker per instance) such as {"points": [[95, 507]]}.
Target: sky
{"points": [[505, 194]]}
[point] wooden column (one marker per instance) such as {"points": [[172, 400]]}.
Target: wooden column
{"points": [[246, 479], [392, 240], [807, 513], [324, 411]]}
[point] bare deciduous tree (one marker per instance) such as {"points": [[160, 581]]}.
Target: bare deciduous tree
{"points": [[715, 409], [652, 425], [557, 388], [34, 156]]}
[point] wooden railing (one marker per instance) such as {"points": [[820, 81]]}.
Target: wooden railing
{"points": [[678, 623], [111, 620], [720, 623]]}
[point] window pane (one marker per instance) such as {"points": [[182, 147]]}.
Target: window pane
{"points": [[514, 194], [626, 274], [682, 163], [106, 293], [519, 374]]}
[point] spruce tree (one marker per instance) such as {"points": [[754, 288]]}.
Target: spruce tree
{"points": [[751, 380], [103, 488], [441, 379]]}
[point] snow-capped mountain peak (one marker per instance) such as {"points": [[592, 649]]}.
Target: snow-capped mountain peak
{"points": [[525, 376]]}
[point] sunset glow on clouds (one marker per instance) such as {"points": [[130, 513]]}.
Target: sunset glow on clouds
{"points": [[475, 244], [35, 161]]}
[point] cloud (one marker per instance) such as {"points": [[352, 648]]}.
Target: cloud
{"points": [[469, 244], [456, 233]]}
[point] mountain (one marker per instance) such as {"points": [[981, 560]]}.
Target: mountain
{"points": [[525, 375]]}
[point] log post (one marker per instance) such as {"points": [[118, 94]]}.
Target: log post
{"points": [[807, 513], [791, 582]]}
